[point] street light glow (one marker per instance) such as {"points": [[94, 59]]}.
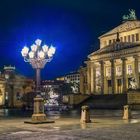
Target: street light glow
{"points": [[52, 49], [31, 55], [34, 48], [38, 42], [45, 48], [43, 54], [25, 51]]}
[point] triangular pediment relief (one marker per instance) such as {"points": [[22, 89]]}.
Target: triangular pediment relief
{"points": [[126, 26]]}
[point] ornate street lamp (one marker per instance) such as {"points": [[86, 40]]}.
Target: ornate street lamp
{"points": [[38, 56]]}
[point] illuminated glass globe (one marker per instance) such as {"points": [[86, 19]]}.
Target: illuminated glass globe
{"points": [[38, 55]]}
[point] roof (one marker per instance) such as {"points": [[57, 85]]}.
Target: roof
{"points": [[114, 47], [125, 26]]}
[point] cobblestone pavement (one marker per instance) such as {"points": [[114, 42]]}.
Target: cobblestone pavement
{"points": [[70, 129]]}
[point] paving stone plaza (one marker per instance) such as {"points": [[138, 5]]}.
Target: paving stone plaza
{"points": [[105, 125]]}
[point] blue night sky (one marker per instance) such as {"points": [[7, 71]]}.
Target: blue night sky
{"points": [[72, 26]]}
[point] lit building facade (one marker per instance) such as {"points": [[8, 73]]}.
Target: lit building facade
{"points": [[2, 91], [115, 67], [13, 86], [73, 77], [48, 84]]}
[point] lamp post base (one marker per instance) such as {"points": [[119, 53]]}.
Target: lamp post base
{"points": [[39, 116]]}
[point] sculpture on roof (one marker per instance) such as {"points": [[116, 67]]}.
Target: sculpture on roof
{"points": [[131, 16]]}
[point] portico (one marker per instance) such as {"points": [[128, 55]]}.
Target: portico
{"points": [[113, 72]]}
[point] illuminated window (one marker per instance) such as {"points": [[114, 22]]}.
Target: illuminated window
{"points": [[98, 72], [108, 72], [98, 78], [129, 69], [118, 70]]}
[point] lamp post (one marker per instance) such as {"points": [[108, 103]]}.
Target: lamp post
{"points": [[38, 56]]}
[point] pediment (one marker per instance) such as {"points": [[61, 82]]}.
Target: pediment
{"points": [[124, 27]]}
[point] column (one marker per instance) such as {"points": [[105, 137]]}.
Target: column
{"points": [[81, 80], [124, 74], [102, 77], [136, 71], [88, 77], [112, 75], [92, 78]]}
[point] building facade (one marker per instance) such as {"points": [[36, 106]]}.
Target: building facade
{"points": [[2, 91], [13, 86], [72, 77], [115, 67]]}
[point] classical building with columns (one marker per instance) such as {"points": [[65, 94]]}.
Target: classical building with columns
{"points": [[115, 67], [13, 87]]}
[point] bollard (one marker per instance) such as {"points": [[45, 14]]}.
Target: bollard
{"points": [[127, 112], [85, 116]]}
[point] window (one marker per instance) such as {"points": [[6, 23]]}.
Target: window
{"points": [[114, 40], [137, 37], [108, 72], [109, 83], [124, 38], [133, 38], [98, 72], [109, 41], [129, 69], [128, 38], [121, 39], [118, 70], [105, 43], [119, 81]]}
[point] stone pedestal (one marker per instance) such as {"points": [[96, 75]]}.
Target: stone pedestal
{"points": [[85, 116], [127, 112], [38, 115]]}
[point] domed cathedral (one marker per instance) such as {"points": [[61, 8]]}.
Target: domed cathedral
{"points": [[115, 67]]}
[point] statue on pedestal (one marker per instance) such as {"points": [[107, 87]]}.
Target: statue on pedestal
{"points": [[133, 84]]}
